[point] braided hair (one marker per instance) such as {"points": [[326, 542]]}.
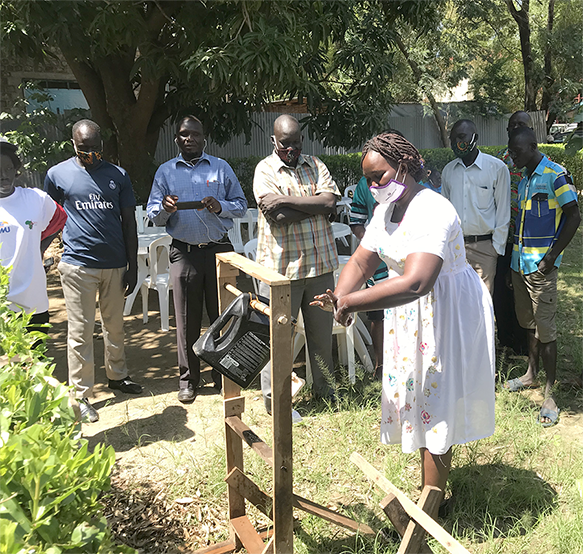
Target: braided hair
{"points": [[398, 150]]}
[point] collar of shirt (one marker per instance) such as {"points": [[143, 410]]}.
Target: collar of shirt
{"points": [[277, 163], [180, 159], [540, 168], [478, 162]]}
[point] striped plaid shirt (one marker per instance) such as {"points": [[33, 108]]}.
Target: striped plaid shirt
{"points": [[305, 248]]}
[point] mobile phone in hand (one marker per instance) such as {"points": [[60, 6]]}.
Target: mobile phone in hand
{"points": [[192, 205]]}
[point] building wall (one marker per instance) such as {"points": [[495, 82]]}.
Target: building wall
{"points": [[15, 71]]}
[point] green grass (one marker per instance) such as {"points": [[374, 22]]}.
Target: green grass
{"points": [[517, 492]]}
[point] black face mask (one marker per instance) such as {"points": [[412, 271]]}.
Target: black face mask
{"points": [[289, 155]]}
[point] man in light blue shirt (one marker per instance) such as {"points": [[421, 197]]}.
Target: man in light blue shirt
{"points": [[199, 231]]}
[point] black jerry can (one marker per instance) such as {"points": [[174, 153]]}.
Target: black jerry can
{"points": [[242, 351]]}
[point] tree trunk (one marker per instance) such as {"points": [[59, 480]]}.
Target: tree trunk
{"points": [[522, 19], [136, 156], [432, 102], [549, 76], [131, 125]]}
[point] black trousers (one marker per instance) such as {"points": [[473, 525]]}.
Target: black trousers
{"points": [[193, 275], [510, 333], [35, 325]]}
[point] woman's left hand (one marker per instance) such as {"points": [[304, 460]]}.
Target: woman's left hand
{"points": [[329, 302]]}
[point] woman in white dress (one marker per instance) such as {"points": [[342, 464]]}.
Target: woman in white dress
{"points": [[438, 370]]}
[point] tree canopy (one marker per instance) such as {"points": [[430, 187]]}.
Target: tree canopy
{"points": [[139, 62]]}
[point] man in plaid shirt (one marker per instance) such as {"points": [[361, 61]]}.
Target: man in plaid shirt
{"points": [[296, 195]]}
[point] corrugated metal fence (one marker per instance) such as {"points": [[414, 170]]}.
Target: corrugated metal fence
{"points": [[418, 127]]}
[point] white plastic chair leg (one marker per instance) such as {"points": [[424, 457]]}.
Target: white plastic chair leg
{"points": [[145, 302], [342, 349], [350, 353], [164, 308], [363, 353], [142, 274], [361, 328]]}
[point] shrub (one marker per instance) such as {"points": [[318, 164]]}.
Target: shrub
{"points": [[49, 481], [345, 168]]}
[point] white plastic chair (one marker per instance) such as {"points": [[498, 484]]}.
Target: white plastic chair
{"points": [[250, 249], [252, 215], [343, 205], [341, 232], [353, 338], [143, 222], [236, 232], [159, 279], [140, 215], [350, 339], [349, 192]]}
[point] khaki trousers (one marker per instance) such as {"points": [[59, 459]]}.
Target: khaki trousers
{"points": [[483, 257], [80, 287]]}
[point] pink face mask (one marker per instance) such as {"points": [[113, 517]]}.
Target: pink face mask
{"points": [[389, 192]]}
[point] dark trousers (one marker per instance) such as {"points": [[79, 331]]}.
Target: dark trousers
{"points": [[318, 329], [193, 276], [510, 333], [35, 324]]}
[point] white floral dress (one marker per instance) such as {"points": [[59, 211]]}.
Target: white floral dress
{"points": [[439, 358]]}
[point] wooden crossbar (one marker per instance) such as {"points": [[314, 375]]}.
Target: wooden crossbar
{"points": [[247, 488], [426, 521], [252, 440], [249, 537]]}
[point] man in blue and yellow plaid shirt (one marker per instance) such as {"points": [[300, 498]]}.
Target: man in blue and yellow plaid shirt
{"points": [[548, 217]]}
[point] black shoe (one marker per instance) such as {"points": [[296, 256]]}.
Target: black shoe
{"points": [[187, 395], [125, 385]]}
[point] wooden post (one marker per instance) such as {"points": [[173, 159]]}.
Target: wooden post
{"points": [[234, 445], [281, 410], [414, 538], [414, 511]]}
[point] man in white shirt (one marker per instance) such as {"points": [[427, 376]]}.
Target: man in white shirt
{"points": [[478, 185]]}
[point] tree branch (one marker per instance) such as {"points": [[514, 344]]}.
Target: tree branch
{"points": [[419, 75]]}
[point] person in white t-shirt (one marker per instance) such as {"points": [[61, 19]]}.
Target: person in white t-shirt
{"points": [[29, 220]]}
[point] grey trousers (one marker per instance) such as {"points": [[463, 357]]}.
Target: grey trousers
{"points": [[318, 326]]}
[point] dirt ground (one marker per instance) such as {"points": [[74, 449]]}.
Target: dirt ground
{"points": [[154, 434]]}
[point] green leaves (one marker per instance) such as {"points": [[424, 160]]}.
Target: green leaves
{"points": [[49, 481]]}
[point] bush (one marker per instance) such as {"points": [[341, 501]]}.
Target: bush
{"points": [[49, 481]]}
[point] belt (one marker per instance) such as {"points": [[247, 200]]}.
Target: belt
{"points": [[477, 238], [188, 247]]}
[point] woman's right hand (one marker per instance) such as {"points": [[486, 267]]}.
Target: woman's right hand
{"points": [[329, 302]]}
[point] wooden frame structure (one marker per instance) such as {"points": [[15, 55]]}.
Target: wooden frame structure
{"points": [[409, 519], [278, 508]]}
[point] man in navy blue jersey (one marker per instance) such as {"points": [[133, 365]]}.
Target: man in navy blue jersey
{"points": [[100, 254]]}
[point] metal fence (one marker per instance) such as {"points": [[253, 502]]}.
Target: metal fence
{"points": [[418, 127]]}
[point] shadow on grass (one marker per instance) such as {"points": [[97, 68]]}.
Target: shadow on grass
{"points": [[497, 500], [139, 432], [349, 543]]}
